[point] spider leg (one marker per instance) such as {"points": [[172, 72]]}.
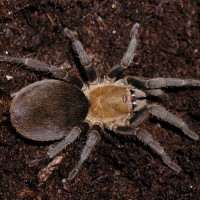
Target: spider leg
{"points": [[147, 139], [33, 64], [162, 82], [83, 56], [139, 116], [168, 117], [93, 138], [39, 66], [129, 54], [70, 138], [155, 92]]}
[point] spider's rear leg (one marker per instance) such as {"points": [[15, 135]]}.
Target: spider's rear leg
{"points": [[147, 139], [68, 139], [39, 66], [162, 82], [35, 65], [129, 54], [168, 117], [83, 56], [93, 138]]}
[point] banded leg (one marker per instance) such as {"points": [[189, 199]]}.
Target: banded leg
{"points": [[93, 138], [129, 54], [162, 82], [147, 139], [84, 58], [163, 114], [70, 138], [39, 66]]}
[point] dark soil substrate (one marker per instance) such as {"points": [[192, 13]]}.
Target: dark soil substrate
{"points": [[118, 168]]}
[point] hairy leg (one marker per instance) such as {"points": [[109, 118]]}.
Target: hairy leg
{"points": [[139, 117], [84, 58], [93, 138], [39, 66], [162, 82], [70, 138], [35, 65], [129, 54], [168, 117], [147, 139], [155, 92]]}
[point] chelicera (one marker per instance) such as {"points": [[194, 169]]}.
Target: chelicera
{"points": [[61, 109]]}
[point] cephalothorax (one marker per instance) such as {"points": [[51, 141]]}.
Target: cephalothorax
{"points": [[61, 109]]}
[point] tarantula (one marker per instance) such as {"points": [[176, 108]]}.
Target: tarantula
{"points": [[61, 109]]}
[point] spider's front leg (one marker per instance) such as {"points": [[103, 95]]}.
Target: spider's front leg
{"points": [[83, 56], [163, 114], [139, 116], [128, 56], [162, 82]]}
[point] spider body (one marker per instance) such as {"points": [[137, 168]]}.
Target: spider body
{"points": [[61, 106], [61, 109]]}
